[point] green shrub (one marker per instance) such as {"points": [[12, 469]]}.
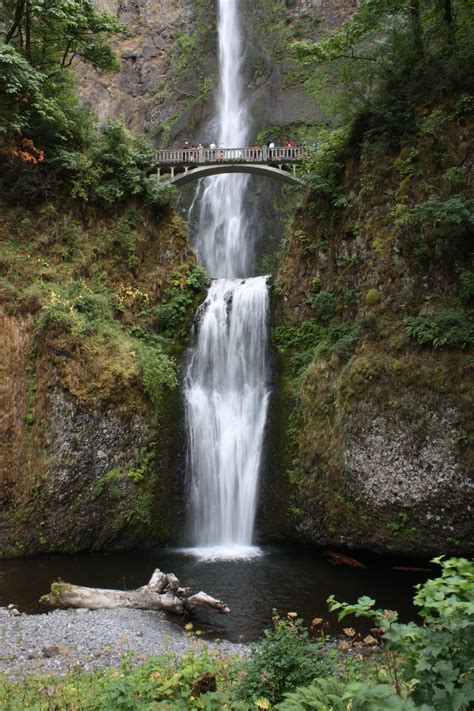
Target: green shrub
{"points": [[113, 168], [157, 370], [283, 660], [325, 304], [437, 657], [447, 328], [323, 169], [75, 307], [179, 299], [122, 238], [321, 695], [335, 694], [159, 194], [451, 217], [440, 653], [108, 483], [467, 286], [311, 339], [137, 475], [436, 230]]}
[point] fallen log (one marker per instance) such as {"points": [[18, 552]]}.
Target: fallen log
{"points": [[341, 559], [163, 592]]}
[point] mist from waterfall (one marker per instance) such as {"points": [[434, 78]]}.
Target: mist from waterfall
{"points": [[226, 385]]}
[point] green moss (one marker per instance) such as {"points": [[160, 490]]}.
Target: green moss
{"points": [[109, 484], [92, 287], [58, 586], [373, 297]]}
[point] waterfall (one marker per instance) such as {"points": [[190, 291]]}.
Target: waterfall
{"points": [[227, 403], [222, 244], [226, 385]]}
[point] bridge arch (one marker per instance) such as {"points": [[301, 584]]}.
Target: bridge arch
{"points": [[218, 169]]}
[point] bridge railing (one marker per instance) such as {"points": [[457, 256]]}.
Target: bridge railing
{"points": [[261, 154]]}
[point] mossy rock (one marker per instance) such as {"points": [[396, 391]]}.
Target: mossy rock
{"points": [[373, 297]]}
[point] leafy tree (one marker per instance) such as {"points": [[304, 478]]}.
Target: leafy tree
{"points": [[387, 53], [51, 33], [43, 129], [20, 91], [114, 165]]}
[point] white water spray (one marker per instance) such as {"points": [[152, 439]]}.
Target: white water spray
{"points": [[226, 387]]}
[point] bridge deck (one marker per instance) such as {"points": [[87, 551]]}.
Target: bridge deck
{"points": [[206, 156]]}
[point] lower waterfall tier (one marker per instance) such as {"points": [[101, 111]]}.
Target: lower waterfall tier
{"points": [[226, 397]]}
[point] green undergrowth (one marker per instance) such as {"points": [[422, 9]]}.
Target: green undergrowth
{"points": [[404, 667], [374, 292], [444, 328], [310, 340], [96, 288], [179, 297]]}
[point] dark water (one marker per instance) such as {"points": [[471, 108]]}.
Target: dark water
{"points": [[288, 578]]}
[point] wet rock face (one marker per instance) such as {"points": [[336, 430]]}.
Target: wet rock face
{"points": [[390, 464], [405, 470], [386, 473], [145, 58], [167, 83], [381, 431], [86, 442], [85, 499]]}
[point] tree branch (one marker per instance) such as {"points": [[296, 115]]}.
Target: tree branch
{"points": [[19, 12]]}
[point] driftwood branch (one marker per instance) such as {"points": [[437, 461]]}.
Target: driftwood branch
{"points": [[163, 592]]}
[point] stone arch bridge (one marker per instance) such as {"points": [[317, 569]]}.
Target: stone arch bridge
{"points": [[179, 167]]}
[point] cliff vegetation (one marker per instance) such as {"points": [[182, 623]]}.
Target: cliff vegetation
{"points": [[375, 288], [97, 288]]}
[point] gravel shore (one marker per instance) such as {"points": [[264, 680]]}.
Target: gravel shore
{"points": [[61, 640]]}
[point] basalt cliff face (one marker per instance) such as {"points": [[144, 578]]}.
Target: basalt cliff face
{"points": [[167, 83], [374, 318], [90, 410]]}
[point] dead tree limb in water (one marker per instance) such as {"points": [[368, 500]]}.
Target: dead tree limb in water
{"points": [[163, 592]]}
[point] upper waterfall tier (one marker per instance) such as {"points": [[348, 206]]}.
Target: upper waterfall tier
{"points": [[223, 243]]}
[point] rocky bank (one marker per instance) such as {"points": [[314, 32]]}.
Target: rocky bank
{"points": [[59, 642]]}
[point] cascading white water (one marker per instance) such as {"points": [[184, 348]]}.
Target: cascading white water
{"points": [[221, 242], [226, 388], [227, 402]]}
